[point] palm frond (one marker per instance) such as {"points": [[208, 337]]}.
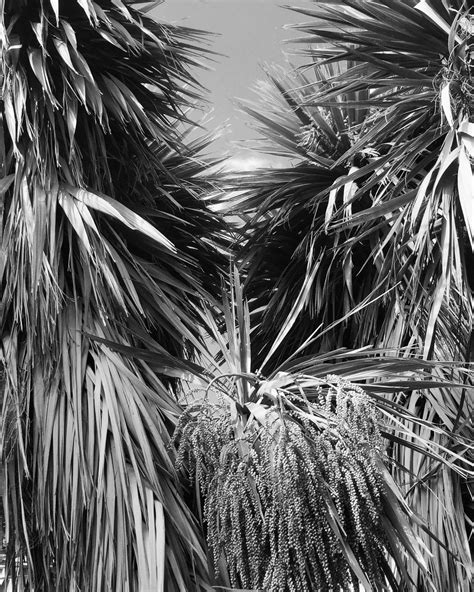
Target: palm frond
{"points": [[415, 71]]}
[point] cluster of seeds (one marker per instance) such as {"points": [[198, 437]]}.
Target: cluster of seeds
{"points": [[285, 498], [202, 431], [233, 514], [353, 414]]}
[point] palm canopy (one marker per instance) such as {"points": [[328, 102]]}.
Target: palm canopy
{"points": [[105, 240], [416, 73], [366, 240]]}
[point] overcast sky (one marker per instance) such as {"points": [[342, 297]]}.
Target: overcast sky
{"points": [[251, 33]]}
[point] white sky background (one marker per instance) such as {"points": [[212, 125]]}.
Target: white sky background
{"points": [[251, 34]]}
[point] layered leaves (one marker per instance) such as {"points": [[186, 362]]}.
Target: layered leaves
{"points": [[366, 239], [107, 249]]}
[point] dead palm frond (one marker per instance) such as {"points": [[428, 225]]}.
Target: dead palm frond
{"points": [[105, 240]]}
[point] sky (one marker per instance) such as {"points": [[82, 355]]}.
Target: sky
{"points": [[251, 33]]}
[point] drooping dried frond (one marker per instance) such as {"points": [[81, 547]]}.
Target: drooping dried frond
{"points": [[107, 250]]}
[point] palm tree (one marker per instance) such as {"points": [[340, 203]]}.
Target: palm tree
{"points": [[289, 471], [107, 250], [367, 239]]}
